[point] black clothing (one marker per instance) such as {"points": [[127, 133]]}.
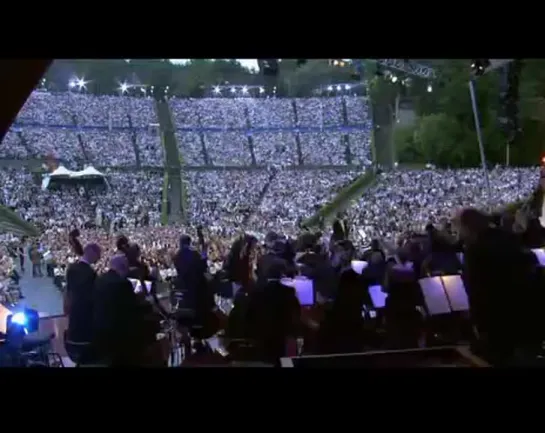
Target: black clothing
{"points": [[273, 315], [318, 268], [80, 281], [342, 328], [121, 331], [191, 280], [500, 281], [271, 266]]}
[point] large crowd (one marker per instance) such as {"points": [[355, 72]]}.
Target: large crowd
{"points": [[226, 201], [280, 132], [406, 200], [267, 202], [113, 131], [106, 131]]}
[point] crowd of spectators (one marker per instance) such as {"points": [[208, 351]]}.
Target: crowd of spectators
{"points": [[106, 131], [127, 201], [109, 131], [273, 125], [12, 146], [9, 291], [406, 200], [295, 195]]}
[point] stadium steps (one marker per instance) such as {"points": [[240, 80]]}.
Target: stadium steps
{"points": [[81, 141], [261, 196], [251, 147], [299, 150], [297, 137], [343, 199], [347, 149], [134, 142], [177, 195], [250, 138], [204, 150], [83, 150]]}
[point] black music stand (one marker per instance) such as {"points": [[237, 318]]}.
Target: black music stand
{"points": [[444, 295], [445, 301]]}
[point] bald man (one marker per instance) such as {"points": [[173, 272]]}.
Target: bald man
{"points": [[121, 332]]}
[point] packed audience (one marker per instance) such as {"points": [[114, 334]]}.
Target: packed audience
{"points": [[273, 127], [295, 195], [108, 131], [407, 200], [230, 201], [9, 290], [12, 147], [251, 217]]}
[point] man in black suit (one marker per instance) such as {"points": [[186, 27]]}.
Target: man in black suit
{"points": [[78, 300], [191, 279], [122, 335], [500, 282]]}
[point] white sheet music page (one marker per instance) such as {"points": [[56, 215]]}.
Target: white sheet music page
{"points": [[434, 296], [378, 297], [540, 254], [456, 292]]}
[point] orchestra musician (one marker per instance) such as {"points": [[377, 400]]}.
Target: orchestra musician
{"points": [[530, 218]]}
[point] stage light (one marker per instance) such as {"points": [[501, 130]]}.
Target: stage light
{"points": [[394, 78], [19, 319], [339, 88], [22, 322], [72, 84], [261, 90], [330, 88], [124, 87], [346, 87], [81, 83], [233, 89], [217, 89], [245, 90], [429, 89]]}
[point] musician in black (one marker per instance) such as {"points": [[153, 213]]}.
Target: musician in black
{"points": [[498, 274], [530, 219], [79, 304]]}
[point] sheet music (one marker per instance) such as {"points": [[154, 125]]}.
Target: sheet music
{"points": [[358, 266], [378, 297], [456, 292], [304, 289], [434, 296], [540, 255]]}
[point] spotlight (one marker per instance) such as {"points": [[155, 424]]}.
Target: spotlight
{"points": [[478, 66]]}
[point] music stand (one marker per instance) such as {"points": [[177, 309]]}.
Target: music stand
{"points": [[444, 299], [540, 256], [378, 297], [304, 289], [444, 295]]}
